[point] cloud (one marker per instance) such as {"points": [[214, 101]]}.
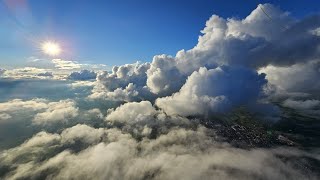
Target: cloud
{"points": [[63, 69], [257, 24], [20, 119], [124, 83], [179, 154], [18, 104], [82, 133], [44, 112], [130, 93], [4, 116], [213, 91], [295, 86], [82, 75], [65, 64], [164, 77], [147, 135], [316, 31], [46, 74], [26, 73], [301, 105], [254, 42], [57, 112], [121, 76], [2, 71], [132, 111], [300, 77], [309, 107], [79, 84]]}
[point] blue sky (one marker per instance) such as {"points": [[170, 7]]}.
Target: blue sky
{"points": [[115, 32]]}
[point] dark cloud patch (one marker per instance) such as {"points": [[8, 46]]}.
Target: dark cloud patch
{"points": [[2, 71], [83, 75], [46, 74]]}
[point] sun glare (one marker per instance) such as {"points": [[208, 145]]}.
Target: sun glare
{"points": [[51, 48]]}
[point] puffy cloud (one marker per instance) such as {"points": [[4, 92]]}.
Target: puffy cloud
{"points": [[302, 77], [214, 90], [130, 112], [295, 86], [57, 112], [31, 149], [16, 120], [122, 76], [42, 111], [141, 119], [128, 94], [31, 116], [164, 78], [257, 24], [83, 133], [124, 83], [254, 42], [27, 117], [20, 105], [82, 75], [40, 139]]}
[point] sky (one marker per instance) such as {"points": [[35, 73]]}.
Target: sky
{"points": [[115, 32]]}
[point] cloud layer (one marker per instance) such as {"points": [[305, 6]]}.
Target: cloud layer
{"points": [[179, 154]]}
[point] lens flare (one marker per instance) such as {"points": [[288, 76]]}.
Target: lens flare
{"points": [[51, 48]]}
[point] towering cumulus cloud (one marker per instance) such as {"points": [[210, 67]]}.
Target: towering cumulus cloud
{"points": [[186, 116], [219, 72], [126, 82]]}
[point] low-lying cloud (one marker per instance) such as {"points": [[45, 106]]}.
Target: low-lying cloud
{"points": [[179, 154]]}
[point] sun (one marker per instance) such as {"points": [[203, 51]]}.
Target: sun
{"points": [[51, 48]]}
